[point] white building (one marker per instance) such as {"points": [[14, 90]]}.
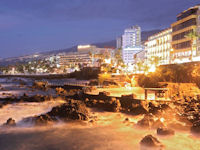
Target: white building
{"points": [[159, 45], [131, 37], [128, 54], [131, 44], [141, 56]]}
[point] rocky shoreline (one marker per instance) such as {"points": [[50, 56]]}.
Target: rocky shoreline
{"points": [[163, 117]]}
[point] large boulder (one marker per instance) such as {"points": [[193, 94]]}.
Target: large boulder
{"points": [[151, 143], [73, 110], [146, 122], [43, 120], [112, 105]]}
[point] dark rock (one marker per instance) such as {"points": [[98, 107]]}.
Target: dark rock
{"points": [[73, 110], [126, 119], [153, 109], [165, 131], [1, 106], [10, 123], [43, 120], [196, 127], [112, 105], [146, 121], [150, 142]]}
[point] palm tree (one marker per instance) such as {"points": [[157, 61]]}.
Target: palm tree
{"points": [[156, 60], [139, 66], [118, 56], [193, 35]]}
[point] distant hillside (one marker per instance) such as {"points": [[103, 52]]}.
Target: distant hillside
{"points": [[144, 36], [112, 43]]}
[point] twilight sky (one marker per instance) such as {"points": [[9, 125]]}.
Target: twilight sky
{"points": [[29, 26]]}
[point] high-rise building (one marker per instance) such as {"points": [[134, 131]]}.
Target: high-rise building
{"points": [[131, 44], [119, 42], [186, 48], [131, 37], [159, 45]]}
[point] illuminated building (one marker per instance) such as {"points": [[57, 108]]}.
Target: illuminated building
{"points": [[119, 42], [87, 56], [85, 48], [184, 47], [141, 56], [75, 58], [131, 44], [128, 54], [159, 45], [92, 49], [131, 37]]}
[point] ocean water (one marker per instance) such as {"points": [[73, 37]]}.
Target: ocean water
{"points": [[108, 132]]}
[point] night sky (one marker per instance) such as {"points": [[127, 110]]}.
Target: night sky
{"points": [[29, 26]]}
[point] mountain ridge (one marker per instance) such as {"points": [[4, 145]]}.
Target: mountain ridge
{"points": [[111, 43]]}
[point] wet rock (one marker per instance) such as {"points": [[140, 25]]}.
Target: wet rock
{"points": [[126, 119], [43, 120], [35, 98], [112, 105], [40, 85], [138, 109], [60, 91], [10, 123], [153, 109], [91, 121], [73, 110], [196, 127], [150, 142], [146, 122], [165, 131]]}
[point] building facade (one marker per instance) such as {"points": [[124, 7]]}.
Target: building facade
{"points": [[86, 48], [131, 44], [186, 48], [86, 56], [141, 56], [131, 37], [159, 45], [128, 54], [119, 43], [74, 59]]}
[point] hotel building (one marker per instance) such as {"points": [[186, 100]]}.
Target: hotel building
{"points": [[159, 45], [184, 47], [131, 44], [84, 57]]}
